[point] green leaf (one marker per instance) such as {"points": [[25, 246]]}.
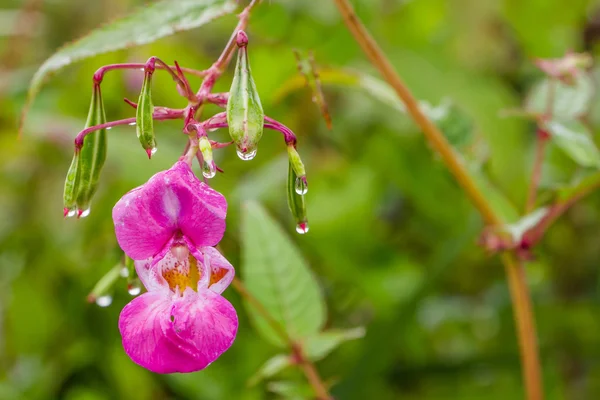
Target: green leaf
{"points": [[456, 125], [277, 275], [270, 368], [568, 101], [574, 139], [320, 345], [148, 24]]}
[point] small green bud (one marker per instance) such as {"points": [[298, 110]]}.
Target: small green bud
{"points": [[296, 202], [143, 115], [71, 185], [209, 169], [245, 115], [92, 155], [301, 184]]}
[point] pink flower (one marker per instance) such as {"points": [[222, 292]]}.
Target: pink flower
{"points": [[168, 226]]}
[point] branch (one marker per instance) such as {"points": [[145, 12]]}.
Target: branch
{"points": [[516, 278]]}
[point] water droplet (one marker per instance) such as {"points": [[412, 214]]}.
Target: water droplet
{"points": [[302, 228], [142, 69], [153, 150], [104, 301], [84, 213], [246, 156], [124, 272], [71, 213], [209, 169], [301, 185], [131, 124], [108, 128], [134, 289]]}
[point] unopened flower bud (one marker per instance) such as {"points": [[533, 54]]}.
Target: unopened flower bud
{"points": [[245, 115], [300, 184], [296, 202], [71, 186], [91, 156], [144, 121], [209, 169]]}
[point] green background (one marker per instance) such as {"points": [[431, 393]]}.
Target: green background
{"points": [[392, 238]]}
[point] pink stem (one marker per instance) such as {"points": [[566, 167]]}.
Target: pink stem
{"points": [[99, 74], [220, 121], [159, 115]]}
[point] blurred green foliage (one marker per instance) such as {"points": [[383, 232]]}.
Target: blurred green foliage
{"points": [[392, 238]]}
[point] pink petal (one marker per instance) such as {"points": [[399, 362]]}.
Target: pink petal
{"points": [[167, 334], [170, 202], [221, 270], [143, 323], [205, 325]]}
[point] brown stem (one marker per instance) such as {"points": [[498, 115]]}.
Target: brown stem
{"points": [[516, 277], [307, 366]]}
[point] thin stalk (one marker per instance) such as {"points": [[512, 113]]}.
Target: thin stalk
{"points": [[516, 277], [305, 364]]}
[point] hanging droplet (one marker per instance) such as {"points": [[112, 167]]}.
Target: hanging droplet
{"points": [[302, 228], [104, 301], [71, 213], [124, 272], [131, 124], [153, 150], [84, 213], [108, 128], [301, 185], [246, 156], [209, 169], [134, 288]]}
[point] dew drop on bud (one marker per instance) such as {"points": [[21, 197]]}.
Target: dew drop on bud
{"points": [[108, 128], [302, 228], [84, 213], [246, 156], [209, 169], [71, 213], [301, 185], [153, 150], [124, 272], [132, 124], [104, 301], [134, 289]]}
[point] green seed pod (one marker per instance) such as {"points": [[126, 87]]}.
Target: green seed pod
{"points": [[301, 185], [92, 155], [296, 202], [143, 115], [71, 186], [245, 115]]}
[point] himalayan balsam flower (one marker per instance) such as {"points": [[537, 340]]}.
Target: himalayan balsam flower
{"points": [[168, 226]]}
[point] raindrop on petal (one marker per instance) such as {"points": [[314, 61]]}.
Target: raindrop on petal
{"points": [[246, 156], [104, 301], [302, 228], [301, 185]]}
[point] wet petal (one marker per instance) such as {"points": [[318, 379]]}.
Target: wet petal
{"points": [[170, 202], [221, 271], [144, 323], [204, 325]]}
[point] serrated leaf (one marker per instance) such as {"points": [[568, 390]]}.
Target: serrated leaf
{"points": [[148, 24], [274, 271], [320, 345], [568, 101], [574, 139], [270, 368]]}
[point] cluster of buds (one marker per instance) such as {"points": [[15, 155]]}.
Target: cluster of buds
{"points": [[243, 116]]}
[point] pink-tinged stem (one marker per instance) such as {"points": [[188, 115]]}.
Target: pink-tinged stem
{"points": [[218, 145], [159, 115], [99, 74], [220, 121], [220, 99], [216, 70]]}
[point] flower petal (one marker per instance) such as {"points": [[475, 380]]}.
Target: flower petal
{"points": [[221, 271], [204, 325], [172, 201], [143, 324]]}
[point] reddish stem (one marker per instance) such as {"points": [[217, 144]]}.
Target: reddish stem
{"points": [[99, 74], [220, 121]]}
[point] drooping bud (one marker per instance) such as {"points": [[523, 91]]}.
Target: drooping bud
{"points": [[300, 184], [245, 115], [92, 155], [209, 169], [71, 186], [143, 115], [296, 202]]}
